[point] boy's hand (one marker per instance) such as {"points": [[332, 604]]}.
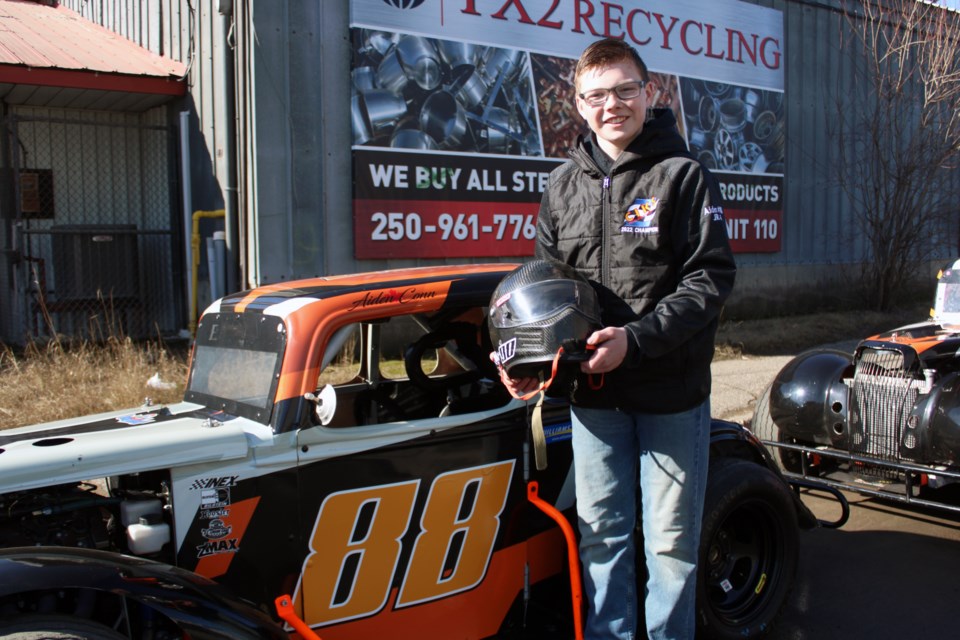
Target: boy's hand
{"points": [[518, 387], [611, 349]]}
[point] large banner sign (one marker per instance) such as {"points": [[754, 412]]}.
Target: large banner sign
{"points": [[461, 108]]}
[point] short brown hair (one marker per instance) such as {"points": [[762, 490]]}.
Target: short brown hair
{"points": [[605, 52]]}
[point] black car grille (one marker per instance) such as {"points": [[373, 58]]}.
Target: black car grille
{"points": [[882, 395]]}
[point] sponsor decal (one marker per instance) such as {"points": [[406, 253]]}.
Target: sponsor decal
{"points": [[223, 536], [507, 350], [217, 529], [214, 483], [138, 419], [209, 514], [215, 498], [214, 547], [640, 217], [558, 432]]}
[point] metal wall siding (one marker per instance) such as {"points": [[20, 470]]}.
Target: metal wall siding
{"points": [[190, 32], [338, 191], [307, 48], [269, 78], [295, 128]]}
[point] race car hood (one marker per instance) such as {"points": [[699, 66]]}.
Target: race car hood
{"points": [[928, 339], [122, 442]]}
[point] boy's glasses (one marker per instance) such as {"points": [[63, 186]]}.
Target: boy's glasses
{"points": [[625, 91]]}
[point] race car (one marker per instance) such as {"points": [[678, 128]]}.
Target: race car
{"points": [[883, 420], [345, 464]]}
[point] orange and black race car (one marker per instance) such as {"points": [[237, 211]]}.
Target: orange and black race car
{"points": [[881, 421], [344, 465]]}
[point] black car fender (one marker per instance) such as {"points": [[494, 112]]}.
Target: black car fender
{"points": [[808, 398], [733, 440], [942, 414], [201, 607]]}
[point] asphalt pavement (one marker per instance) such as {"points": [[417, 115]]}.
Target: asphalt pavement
{"points": [[892, 571]]}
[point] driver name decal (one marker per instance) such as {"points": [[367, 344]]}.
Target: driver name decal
{"points": [[393, 296]]}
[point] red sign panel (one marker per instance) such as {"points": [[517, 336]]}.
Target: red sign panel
{"points": [[753, 231], [424, 228]]}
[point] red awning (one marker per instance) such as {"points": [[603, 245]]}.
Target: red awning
{"points": [[52, 55]]}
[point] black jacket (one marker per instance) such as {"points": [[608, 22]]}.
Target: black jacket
{"points": [[652, 238]]}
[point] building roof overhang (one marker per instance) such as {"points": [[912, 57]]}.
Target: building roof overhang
{"points": [[52, 56]]}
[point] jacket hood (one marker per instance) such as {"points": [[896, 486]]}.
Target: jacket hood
{"points": [[659, 138]]}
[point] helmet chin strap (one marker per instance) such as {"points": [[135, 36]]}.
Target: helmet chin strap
{"points": [[595, 382], [536, 416]]}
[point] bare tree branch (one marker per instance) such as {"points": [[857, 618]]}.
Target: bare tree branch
{"points": [[897, 128]]}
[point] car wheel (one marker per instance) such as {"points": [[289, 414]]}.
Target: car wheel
{"points": [[766, 429], [749, 549], [52, 627]]}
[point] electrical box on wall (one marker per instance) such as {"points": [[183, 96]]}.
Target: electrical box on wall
{"points": [[36, 193]]}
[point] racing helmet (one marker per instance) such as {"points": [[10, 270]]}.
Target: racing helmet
{"points": [[946, 305], [538, 308]]}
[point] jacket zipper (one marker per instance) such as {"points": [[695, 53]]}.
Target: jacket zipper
{"points": [[604, 220]]}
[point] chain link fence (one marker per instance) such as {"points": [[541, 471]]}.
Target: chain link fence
{"points": [[93, 200]]}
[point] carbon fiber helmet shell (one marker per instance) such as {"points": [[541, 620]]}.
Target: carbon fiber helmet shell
{"points": [[538, 308], [808, 398]]}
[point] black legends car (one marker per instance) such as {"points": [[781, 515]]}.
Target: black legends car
{"points": [[883, 420], [345, 463]]}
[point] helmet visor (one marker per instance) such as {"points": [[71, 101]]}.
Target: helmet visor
{"points": [[542, 300]]}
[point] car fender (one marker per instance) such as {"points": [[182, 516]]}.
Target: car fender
{"points": [[201, 607], [942, 414], [733, 440], [808, 397]]}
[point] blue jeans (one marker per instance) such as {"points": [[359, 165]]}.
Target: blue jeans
{"points": [[666, 458]]}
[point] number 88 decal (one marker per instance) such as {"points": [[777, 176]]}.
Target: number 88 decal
{"points": [[356, 543]]}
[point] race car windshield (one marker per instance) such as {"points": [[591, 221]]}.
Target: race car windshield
{"points": [[235, 363], [541, 300]]}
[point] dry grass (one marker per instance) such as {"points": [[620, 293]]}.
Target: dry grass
{"points": [[58, 380], [791, 335]]}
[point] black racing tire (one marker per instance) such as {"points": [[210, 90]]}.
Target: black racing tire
{"points": [[54, 627], [766, 429], [749, 550]]}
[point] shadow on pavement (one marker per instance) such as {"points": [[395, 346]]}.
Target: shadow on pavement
{"points": [[891, 572]]}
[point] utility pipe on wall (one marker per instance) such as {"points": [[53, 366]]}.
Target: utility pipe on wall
{"points": [[187, 212], [229, 119], [195, 261]]}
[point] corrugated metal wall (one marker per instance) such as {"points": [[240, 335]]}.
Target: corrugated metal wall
{"points": [[195, 33], [820, 241], [294, 135]]}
